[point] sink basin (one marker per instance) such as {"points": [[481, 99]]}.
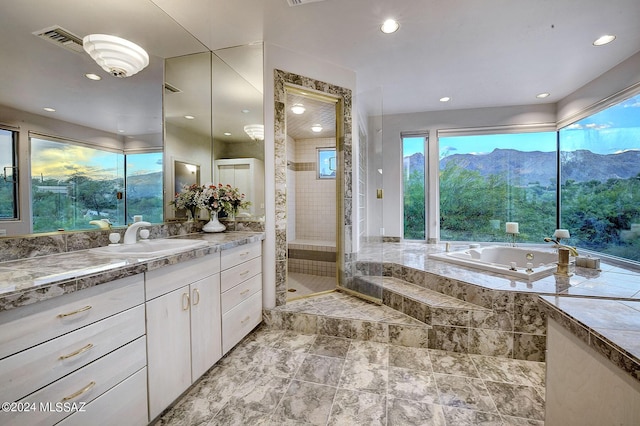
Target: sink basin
{"points": [[151, 247]]}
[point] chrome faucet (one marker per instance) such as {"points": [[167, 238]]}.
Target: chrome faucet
{"points": [[572, 250], [131, 235]]}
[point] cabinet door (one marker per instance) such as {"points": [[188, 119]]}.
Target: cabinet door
{"points": [[206, 327], [168, 348]]}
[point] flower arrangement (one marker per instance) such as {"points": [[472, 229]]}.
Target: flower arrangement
{"points": [[225, 198], [213, 198], [188, 199]]}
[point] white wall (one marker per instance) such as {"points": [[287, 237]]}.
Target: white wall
{"points": [[276, 57]]}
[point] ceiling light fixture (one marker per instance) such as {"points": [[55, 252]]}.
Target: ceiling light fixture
{"points": [[227, 133], [49, 109], [605, 39], [189, 117], [316, 128], [445, 99], [92, 76], [390, 26], [542, 95], [119, 57], [298, 109], [245, 111], [255, 131]]}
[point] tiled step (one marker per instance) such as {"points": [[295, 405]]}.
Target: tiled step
{"points": [[341, 315]]}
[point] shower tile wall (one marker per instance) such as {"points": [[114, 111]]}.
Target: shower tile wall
{"points": [[315, 199], [291, 189]]}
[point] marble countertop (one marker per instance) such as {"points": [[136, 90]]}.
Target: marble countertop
{"points": [[26, 281], [610, 327]]}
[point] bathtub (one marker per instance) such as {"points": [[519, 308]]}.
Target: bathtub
{"points": [[512, 261]]}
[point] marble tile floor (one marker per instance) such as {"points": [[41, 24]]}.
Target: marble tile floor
{"points": [[276, 377], [306, 284]]}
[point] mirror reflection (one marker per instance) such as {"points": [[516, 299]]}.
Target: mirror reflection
{"points": [[46, 94]]}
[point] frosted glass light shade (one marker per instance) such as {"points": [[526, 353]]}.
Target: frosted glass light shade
{"points": [[255, 131], [561, 233], [117, 56]]}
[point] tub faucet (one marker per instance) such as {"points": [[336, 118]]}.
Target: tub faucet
{"points": [[558, 244], [131, 235]]}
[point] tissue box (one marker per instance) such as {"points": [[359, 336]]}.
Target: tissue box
{"points": [[588, 262]]}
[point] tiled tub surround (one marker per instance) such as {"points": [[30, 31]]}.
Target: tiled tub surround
{"points": [[507, 319], [30, 280]]}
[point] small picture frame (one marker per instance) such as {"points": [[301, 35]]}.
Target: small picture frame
{"points": [[327, 164]]}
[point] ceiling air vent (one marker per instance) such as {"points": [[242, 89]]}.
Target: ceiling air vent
{"points": [[61, 37], [299, 2]]}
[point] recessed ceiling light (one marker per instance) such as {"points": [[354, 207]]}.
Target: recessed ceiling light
{"points": [[605, 39], [389, 26], [542, 95], [316, 128], [49, 109], [245, 111], [189, 117], [227, 133], [445, 99], [94, 77], [298, 109]]}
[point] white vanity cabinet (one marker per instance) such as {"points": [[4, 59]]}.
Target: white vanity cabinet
{"points": [[241, 288], [73, 350], [183, 327]]}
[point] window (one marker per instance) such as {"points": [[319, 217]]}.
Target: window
{"points": [[72, 185], [488, 180], [144, 186], [9, 180], [600, 180], [413, 185], [327, 164]]}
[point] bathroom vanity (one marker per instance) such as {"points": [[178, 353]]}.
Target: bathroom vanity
{"points": [[593, 361], [120, 340]]}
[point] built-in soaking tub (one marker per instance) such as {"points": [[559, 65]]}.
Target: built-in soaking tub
{"points": [[314, 257], [523, 262]]}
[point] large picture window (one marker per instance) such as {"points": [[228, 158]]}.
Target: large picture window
{"points": [[488, 180], [600, 180]]}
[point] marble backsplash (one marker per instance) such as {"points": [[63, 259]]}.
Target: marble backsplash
{"points": [[27, 246]]}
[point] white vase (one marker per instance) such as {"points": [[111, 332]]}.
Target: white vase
{"points": [[214, 224]]}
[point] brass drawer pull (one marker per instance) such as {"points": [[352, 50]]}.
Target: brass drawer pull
{"points": [[242, 274], [77, 311], [185, 301], [78, 393], [244, 253], [78, 352], [242, 293], [245, 320], [195, 297]]}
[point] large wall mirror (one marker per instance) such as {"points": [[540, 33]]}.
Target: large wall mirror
{"points": [[115, 115]]}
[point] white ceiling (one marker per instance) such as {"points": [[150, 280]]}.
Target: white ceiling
{"points": [[481, 53]]}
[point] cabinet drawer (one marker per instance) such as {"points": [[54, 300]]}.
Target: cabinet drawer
{"points": [[27, 326], [27, 371], [94, 379], [239, 321], [233, 276], [169, 278], [126, 404], [241, 292], [237, 255]]}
